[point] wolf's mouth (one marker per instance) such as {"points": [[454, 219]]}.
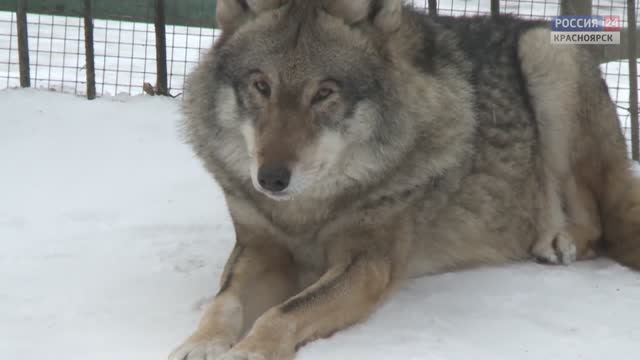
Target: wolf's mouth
{"points": [[280, 196]]}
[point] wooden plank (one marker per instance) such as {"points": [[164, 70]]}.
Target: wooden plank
{"points": [[495, 7], [633, 80], [576, 7], [433, 7], [23, 43], [198, 13], [89, 50], [161, 49]]}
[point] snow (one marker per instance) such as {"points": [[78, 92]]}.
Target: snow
{"points": [[113, 237]]}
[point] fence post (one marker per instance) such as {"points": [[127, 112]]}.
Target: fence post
{"points": [[633, 80], [23, 44], [433, 7], [89, 51], [495, 7], [161, 49], [576, 7]]}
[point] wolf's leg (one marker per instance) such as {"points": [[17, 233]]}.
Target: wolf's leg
{"points": [[552, 75], [255, 279], [555, 244], [559, 249], [346, 294], [577, 237], [585, 224]]}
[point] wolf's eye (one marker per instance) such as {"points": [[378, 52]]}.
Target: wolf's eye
{"points": [[263, 88], [322, 94]]}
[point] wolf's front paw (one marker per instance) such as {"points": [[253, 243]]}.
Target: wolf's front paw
{"points": [[200, 350], [560, 249]]}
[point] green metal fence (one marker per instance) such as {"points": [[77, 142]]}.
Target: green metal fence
{"points": [[188, 13], [196, 13]]}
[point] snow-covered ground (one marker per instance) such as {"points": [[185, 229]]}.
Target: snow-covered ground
{"points": [[112, 238]]}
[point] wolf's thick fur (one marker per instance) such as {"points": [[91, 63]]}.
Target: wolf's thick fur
{"points": [[359, 142]]}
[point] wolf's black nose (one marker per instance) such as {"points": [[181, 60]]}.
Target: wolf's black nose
{"points": [[274, 177]]}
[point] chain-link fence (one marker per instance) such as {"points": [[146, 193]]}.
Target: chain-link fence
{"points": [[125, 52], [125, 42]]}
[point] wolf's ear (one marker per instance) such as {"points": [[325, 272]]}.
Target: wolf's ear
{"points": [[384, 14], [230, 14]]}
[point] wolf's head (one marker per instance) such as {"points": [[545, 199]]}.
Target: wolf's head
{"points": [[303, 96]]}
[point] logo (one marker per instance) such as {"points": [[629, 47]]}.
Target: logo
{"points": [[588, 30]]}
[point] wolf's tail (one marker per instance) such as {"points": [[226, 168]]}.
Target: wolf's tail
{"points": [[620, 211]]}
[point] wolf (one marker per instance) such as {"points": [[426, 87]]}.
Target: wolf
{"points": [[360, 143]]}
